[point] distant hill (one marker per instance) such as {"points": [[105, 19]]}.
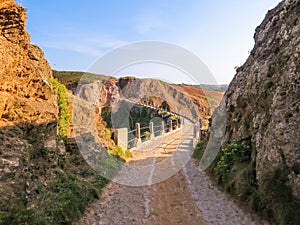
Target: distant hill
{"points": [[214, 87], [202, 95], [207, 96], [71, 78]]}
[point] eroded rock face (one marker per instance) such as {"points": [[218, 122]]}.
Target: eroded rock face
{"points": [[28, 108], [6, 3], [155, 92], [263, 100]]}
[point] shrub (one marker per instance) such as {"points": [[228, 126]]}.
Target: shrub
{"points": [[199, 150], [62, 202], [116, 151], [236, 152], [109, 166], [66, 199], [272, 198], [146, 136], [99, 181], [108, 133], [22, 215], [63, 105], [281, 205], [128, 153]]}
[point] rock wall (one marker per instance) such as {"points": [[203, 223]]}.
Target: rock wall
{"points": [[28, 108], [263, 100], [178, 98]]}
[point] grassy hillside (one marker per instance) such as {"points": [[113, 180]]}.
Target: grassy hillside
{"points": [[202, 95], [71, 78]]}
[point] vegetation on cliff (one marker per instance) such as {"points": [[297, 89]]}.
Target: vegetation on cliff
{"points": [[63, 106], [42, 181], [234, 170], [259, 159]]}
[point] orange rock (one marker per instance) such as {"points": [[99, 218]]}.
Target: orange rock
{"points": [[6, 3]]}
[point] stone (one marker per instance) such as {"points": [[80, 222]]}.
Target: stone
{"points": [[262, 101]]}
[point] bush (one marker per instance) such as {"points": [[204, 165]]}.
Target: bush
{"points": [[128, 153], [236, 152], [62, 202], [146, 136], [116, 151], [108, 133], [63, 105], [199, 150], [66, 199], [22, 215], [109, 166], [280, 203], [272, 198]]}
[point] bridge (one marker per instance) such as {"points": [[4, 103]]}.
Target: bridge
{"points": [[147, 136]]}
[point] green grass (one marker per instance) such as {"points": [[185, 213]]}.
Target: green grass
{"points": [[72, 77], [128, 153], [116, 151], [232, 154], [108, 133], [277, 195], [62, 202], [234, 170], [199, 150], [119, 153]]}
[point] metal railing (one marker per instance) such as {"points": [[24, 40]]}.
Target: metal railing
{"points": [[136, 136], [147, 133]]}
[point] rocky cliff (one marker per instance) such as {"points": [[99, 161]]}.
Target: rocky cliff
{"points": [[180, 99], [40, 179], [263, 100], [187, 100], [28, 108]]}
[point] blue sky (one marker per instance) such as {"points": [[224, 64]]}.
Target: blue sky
{"points": [[75, 33]]}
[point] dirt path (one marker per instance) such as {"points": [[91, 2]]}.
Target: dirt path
{"points": [[185, 197], [167, 202], [171, 203]]}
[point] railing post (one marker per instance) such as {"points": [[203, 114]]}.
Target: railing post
{"points": [[138, 130], [151, 130], [137, 140], [162, 133], [121, 138], [171, 126]]}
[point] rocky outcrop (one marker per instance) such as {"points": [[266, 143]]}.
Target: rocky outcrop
{"points": [[28, 108], [178, 98], [262, 101]]}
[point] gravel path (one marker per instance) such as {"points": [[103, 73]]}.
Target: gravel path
{"points": [[187, 197], [216, 207]]}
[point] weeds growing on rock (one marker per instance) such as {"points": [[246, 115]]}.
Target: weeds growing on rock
{"points": [[234, 170], [64, 116]]}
